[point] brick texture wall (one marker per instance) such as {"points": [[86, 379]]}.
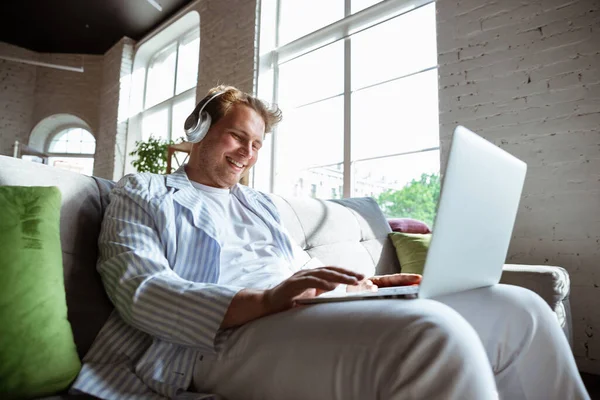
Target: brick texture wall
{"points": [[76, 93], [17, 87], [112, 115], [526, 76], [227, 44], [31, 93]]}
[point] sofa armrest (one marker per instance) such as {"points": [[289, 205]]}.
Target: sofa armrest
{"points": [[551, 283]]}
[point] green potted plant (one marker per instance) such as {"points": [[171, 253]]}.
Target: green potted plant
{"points": [[151, 155]]}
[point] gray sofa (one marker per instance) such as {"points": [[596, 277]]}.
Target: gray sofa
{"points": [[350, 233]]}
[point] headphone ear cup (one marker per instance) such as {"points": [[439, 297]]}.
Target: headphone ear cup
{"points": [[190, 126], [196, 126], [203, 126], [196, 130]]}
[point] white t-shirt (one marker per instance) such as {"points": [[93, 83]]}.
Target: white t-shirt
{"points": [[249, 255]]}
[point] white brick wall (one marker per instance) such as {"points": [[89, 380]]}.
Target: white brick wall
{"points": [[76, 93], [114, 98], [29, 93], [526, 76], [227, 34], [17, 87]]}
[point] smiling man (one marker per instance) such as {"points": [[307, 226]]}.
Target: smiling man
{"points": [[204, 280], [222, 157]]}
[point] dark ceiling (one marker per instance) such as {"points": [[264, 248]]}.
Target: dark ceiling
{"points": [[79, 26]]}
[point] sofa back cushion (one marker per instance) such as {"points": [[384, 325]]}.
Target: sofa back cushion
{"points": [[350, 233], [81, 216]]}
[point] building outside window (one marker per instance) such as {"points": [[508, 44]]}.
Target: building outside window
{"points": [[357, 83], [170, 88], [72, 149]]}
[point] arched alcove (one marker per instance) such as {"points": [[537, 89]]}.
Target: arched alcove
{"points": [[67, 140]]}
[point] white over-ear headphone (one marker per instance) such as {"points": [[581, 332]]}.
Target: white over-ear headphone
{"points": [[198, 123]]}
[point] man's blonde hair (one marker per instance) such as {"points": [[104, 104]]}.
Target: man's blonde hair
{"points": [[220, 105]]}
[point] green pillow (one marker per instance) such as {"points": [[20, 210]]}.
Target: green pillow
{"points": [[37, 352], [411, 249]]}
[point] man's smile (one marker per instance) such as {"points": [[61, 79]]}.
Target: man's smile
{"points": [[236, 163]]}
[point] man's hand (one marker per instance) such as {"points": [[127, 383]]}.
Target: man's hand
{"points": [[375, 282], [306, 284], [366, 285], [250, 304], [396, 280]]}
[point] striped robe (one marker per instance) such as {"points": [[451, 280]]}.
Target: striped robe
{"points": [[159, 262]]}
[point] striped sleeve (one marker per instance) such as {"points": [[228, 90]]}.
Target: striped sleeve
{"points": [[137, 277]]}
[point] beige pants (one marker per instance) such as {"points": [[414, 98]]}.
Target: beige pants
{"points": [[501, 341]]}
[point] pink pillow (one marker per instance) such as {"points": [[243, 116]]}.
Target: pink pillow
{"points": [[408, 225]]}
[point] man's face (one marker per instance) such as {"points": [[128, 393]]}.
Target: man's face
{"points": [[229, 149]]}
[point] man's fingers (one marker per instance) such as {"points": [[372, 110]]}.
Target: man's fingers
{"points": [[345, 271], [409, 278], [371, 287], [412, 279], [332, 275], [397, 280], [313, 282]]}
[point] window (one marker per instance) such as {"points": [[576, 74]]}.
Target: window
{"points": [[170, 88], [72, 149], [163, 82], [357, 84]]}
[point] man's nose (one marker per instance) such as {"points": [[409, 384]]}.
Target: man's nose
{"points": [[246, 149]]}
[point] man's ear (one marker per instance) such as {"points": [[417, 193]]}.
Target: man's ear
{"points": [[193, 150]]}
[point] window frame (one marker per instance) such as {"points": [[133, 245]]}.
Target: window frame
{"points": [[275, 55], [61, 131], [170, 102]]}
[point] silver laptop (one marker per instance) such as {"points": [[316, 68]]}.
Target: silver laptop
{"points": [[475, 217]]}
